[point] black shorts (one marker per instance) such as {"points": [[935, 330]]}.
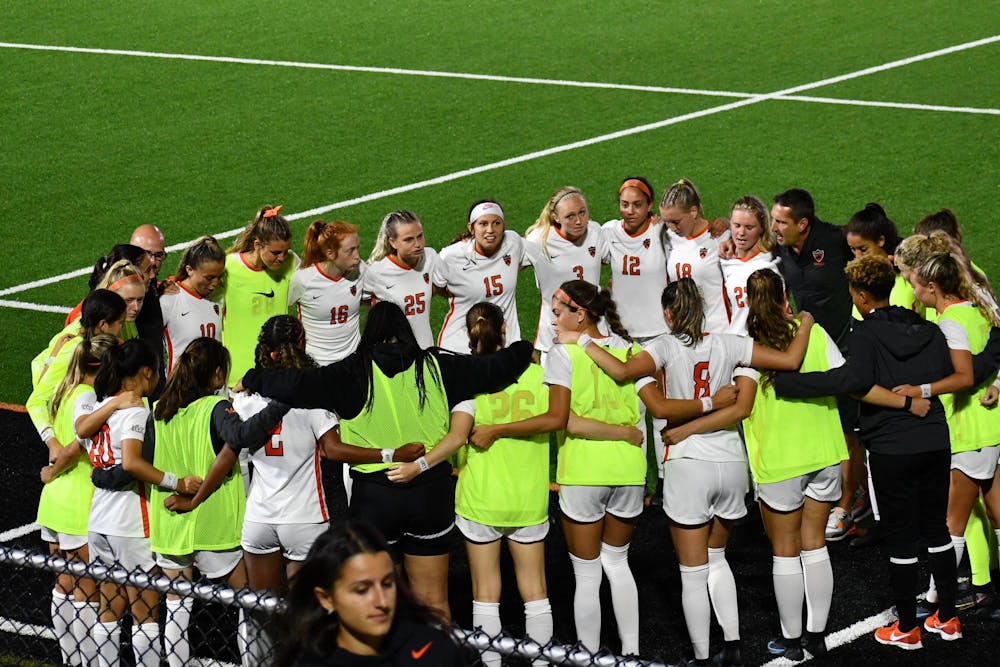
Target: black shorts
{"points": [[416, 519]]}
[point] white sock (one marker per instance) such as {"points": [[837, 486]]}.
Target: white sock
{"points": [[146, 644], [348, 482], [659, 449], [260, 639], [722, 591], [789, 591], [83, 625], [624, 595], [958, 541], [62, 620], [931, 594], [538, 623], [587, 602], [486, 617], [243, 641], [175, 631], [817, 574], [697, 607], [107, 636]]}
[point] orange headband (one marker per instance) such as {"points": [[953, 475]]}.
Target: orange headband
{"points": [[121, 282], [636, 183], [567, 299], [272, 212]]}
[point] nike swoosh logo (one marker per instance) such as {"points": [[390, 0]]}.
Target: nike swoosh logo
{"points": [[419, 653], [316, 296], [187, 313], [896, 637], [269, 295], [388, 287]]}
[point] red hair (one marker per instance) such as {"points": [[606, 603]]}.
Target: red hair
{"points": [[324, 238]]}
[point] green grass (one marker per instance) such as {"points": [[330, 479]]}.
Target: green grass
{"points": [[95, 144]]}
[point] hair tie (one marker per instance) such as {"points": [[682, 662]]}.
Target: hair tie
{"points": [[121, 282], [567, 299], [93, 364], [636, 183], [486, 208], [271, 212]]}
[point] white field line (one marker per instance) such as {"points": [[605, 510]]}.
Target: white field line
{"points": [[27, 629], [455, 175], [889, 105], [24, 305], [21, 531], [846, 635]]}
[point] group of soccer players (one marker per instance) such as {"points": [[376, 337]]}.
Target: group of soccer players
{"points": [[691, 306]]}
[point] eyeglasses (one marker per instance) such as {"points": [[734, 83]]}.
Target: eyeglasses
{"points": [[156, 255]]}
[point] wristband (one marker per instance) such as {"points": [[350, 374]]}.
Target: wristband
{"points": [[996, 383], [47, 434], [424, 465], [584, 340], [387, 455], [925, 390], [706, 404], [169, 481], [907, 403]]}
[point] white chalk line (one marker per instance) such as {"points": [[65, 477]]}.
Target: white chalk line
{"points": [[490, 77], [20, 531], [41, 307], [865, 626], [455, 175]]}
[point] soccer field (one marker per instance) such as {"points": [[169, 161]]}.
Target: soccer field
{"points": [[190, 115]]}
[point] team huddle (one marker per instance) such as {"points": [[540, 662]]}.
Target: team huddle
{"points": [[186, 420]]}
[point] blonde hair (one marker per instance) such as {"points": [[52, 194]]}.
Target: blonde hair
{"points": [[758, 209], [267, 226], [121, 269], [387, 230], [946, 270], [548, 215], [85, 361], [912, 250], [682, 195]]}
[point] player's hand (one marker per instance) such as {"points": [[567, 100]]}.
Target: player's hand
{"points": [[718, 227], [46, 474], [989, 399], [907, 390], [725, 397], [127, 399], [411, 451], [667, 435], [567, 337], [239, 387], [402, 473], [482, 437], [636, 437], [54, 449], [176, 503], [727, 249], [169, 287], [806, 319], [920, 407], [189, 485]]}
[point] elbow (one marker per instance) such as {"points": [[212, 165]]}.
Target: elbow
{"points": [[130, 464]]}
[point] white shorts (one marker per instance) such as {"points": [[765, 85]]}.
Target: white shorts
{"points": [[131, 553], [293, 539], [822, 485], [587, 504], [978, 464], [696, 491], [483, 534], [211, 564], [65, 541]]}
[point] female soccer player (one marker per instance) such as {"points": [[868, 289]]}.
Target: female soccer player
{"points": [[563, 244], [794, 485], [388, 393], [133, 254], [694, 252], [103, 312], [255, 286], [907, 441], [350, 606], [481, 265], [190, 312], [871, 232], [129, 282], [750, 227], [327, 288], [400, 270]]}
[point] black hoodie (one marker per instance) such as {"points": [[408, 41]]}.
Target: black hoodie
{"points": [[890, 347]]}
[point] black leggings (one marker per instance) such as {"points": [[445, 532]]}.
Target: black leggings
{"points": [[912, 500]]}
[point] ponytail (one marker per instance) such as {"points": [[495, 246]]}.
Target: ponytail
{"points": [[86, 360], [192, 376], [267, 226], [387, 230], [596, 303], [548, 215], [685, 304], [682, 195], [121, 362], [485, 324], [324, 239], [205, 249], [768, 322], [282, 344]]}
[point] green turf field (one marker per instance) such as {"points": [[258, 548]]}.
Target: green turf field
{"points": [[95, 143]]}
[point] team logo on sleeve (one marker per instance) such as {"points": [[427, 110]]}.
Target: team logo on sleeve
{"points": [[506, 260], [645, 244], [592, 250], [818, 257], [427, 278], [354, 290], [703, 252]]}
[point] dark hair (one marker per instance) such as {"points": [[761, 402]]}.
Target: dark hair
{"points": [[282, 344], [123, 361], [944, 220], [101, 305], [874, 275], [131, 253], [767, 319], [871, 222], [203, 250], [684, 302], [650, 196], [192, 376], [597, 303], [801, 203], [387, 324], [466, 232], [484, 322], [308, 630]]}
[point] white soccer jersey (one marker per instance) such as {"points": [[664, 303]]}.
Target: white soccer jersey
{"points": [[83, 406], [409, 288], [187, 316], [565, 261], [328, 308], [472, 277], [697, 257], [119, 513], [287, 484], [699, 372], [638, 276], [735, 272]]}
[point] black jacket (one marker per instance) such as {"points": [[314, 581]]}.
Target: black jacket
{"points": [[408, 645]]}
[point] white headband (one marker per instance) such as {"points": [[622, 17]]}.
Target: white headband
{"points": [[486, 208]]}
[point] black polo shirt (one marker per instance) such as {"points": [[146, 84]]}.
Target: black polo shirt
{"points": [[815, 277]]}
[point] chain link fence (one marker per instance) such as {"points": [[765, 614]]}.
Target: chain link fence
{"points": [[149, 620]]}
